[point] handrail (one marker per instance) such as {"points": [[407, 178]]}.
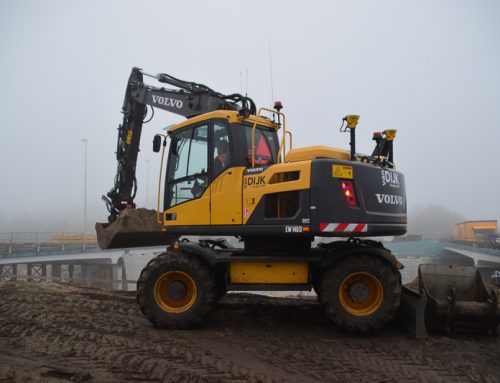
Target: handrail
{"points": [[159, 179], [290, 136], [282, 144]]}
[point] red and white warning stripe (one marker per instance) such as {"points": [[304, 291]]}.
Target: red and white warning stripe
{"points": [[343, 227]]}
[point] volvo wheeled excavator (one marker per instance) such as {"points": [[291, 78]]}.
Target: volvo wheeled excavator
{"points": [[231, 171]]}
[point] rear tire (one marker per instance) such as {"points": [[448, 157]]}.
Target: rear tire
{"points": [[361, 293], [176, 291]]}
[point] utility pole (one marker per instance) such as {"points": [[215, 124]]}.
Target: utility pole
{"points": [[147, 185], [84, 140]]}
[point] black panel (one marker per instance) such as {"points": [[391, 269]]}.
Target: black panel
{"points": [[239, 230], [301, 217], [380, 193], [282, 205]]}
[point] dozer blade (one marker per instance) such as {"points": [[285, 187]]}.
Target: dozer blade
{"points": [[132, 228], [450, 299]]}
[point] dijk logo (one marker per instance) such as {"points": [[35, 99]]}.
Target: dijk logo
{"points": [[390, 178], [254, 181]]}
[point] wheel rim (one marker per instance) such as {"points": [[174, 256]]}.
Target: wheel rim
{"points": [[175, 291], [361, 294]]}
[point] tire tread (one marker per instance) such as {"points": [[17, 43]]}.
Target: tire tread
{"points": [[205, 284]]}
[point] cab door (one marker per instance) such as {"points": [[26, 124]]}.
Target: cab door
{"points": [[227, 179], [187, 199]]}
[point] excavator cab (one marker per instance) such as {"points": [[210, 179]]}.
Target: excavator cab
{"points": [[206, 162]]}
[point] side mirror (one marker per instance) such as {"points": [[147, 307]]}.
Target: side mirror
{"points": [[157, 143]]}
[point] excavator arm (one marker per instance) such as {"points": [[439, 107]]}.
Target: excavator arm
{"points": [[191, 99]]}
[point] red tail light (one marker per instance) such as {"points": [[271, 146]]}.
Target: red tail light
{"points": [[348, 192]]}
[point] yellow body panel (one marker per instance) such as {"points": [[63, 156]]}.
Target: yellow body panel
{"points": [[319, 151], [226, 197], [230, 115], [255, 186], [232, 197], [269, 272], [194, 212]]}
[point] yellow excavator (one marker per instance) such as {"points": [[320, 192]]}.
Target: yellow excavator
{"points": [[231, 170]]}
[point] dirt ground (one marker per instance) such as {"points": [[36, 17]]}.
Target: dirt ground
{"points": [[60, 333]]}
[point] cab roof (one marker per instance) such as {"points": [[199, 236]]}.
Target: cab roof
{"points": [[231, 116]]}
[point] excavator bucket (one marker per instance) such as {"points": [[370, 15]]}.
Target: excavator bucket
{"points": [[450, 299], [132, 228]]}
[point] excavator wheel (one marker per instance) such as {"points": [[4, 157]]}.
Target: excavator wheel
{"points": [[176, 290], [360, 293]]}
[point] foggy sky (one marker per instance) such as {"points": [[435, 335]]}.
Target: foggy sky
{"points": [[430, 69]]}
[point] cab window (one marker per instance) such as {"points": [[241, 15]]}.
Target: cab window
{"points": [[265, 146], [187, 175], [221, 148]]}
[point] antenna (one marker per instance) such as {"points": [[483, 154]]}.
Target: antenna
{"points": [[241, 82], [246, 91], [271, 71]]}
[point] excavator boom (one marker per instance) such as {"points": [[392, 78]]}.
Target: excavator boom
{"points": [[190, 100]]}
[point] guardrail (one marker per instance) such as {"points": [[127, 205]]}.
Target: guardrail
{"points": [[106, 276], [477, 249], [33, 243], [486, 247]]}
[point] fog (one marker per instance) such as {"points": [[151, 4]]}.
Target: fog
{"points": [[433, 221], [427, 68]]}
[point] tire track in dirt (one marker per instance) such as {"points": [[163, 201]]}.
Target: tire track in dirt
{"points": [[69, 333], [322, 353], [172, 361], [127, 357]]}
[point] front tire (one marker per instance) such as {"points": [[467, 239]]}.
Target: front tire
{"points": [[176, 290], [361, 293]]}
